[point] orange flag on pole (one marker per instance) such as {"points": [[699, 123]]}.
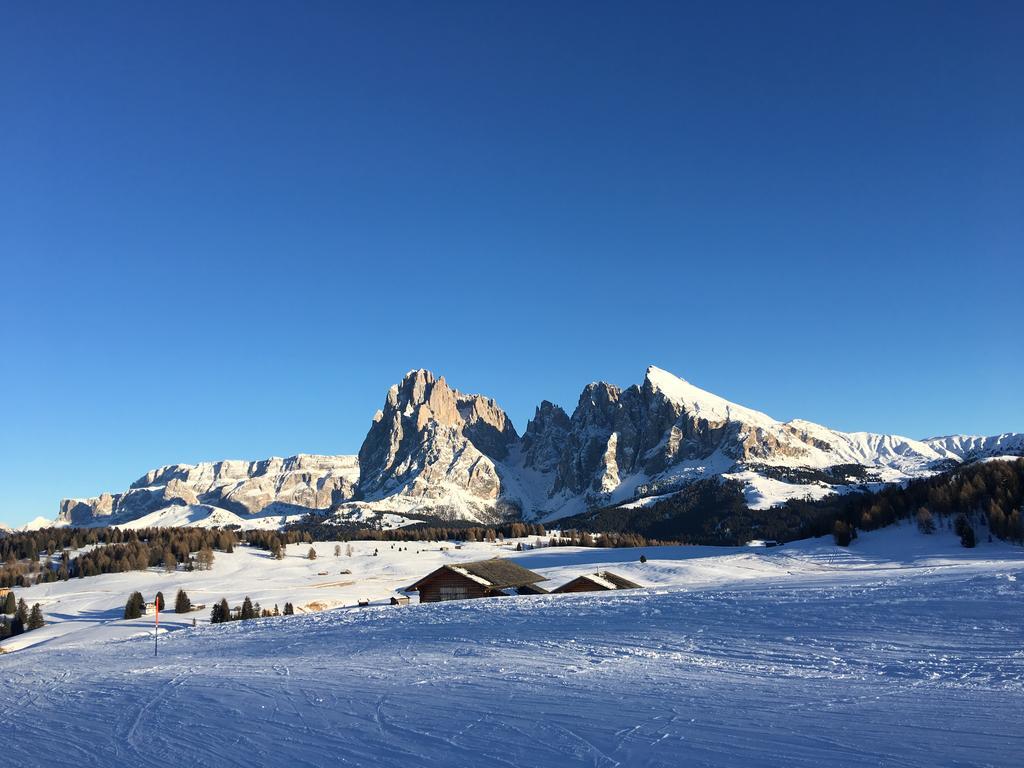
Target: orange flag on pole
{"points": [[156, 620]]}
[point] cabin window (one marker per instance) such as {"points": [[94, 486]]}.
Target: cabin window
{"points": [[452, 593]]}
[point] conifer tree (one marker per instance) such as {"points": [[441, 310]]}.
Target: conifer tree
{"points": [[843, 533], [205, 559], [10, 605], [135, 606], [965, 531], [311, 554], [21, 614], [35, 618], [181, 603], [159, 601], [925, 523], [289, 609], [247, 610]]}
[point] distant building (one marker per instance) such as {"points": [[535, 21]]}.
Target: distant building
{"points": [[4, 592], [763, 543], [483, 578], [597, 582], [399, 599]]}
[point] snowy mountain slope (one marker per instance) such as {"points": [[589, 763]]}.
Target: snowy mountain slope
{"points": [[964, 447], [434, 451], [898, 651], [246, 490]]}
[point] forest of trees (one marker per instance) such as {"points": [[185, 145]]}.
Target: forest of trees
{"points": [[989, 496], [16, 617], [24, 553], [986, 496]]}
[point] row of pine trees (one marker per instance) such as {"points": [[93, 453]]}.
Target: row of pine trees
{"points": [[22, 618], [221, 612]]}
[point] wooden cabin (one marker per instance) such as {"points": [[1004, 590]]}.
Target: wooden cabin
{"points": [[399, 599], [601, 581], [4, 592], [483, 578]]}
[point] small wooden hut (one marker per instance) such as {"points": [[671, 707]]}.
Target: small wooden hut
{"points": [[483, 578], [597, 582]]}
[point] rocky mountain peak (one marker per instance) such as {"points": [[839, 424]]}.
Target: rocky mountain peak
{"points": [[429, 435], [545, 436], [436, 451]]}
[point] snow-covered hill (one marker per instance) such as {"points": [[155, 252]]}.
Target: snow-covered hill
{"points": [[902, 650], [432, 450]]}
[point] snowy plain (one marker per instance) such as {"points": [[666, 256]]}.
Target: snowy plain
{"points": [[903, 650]]}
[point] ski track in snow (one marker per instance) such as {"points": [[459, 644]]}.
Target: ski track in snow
{"points": [[821, 659]]}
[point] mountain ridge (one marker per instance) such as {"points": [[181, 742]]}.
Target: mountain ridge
{"points": [[433, 450]]}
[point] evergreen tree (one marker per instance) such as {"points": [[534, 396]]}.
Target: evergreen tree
{"points": [[843, 533], [17, 626], [925, 523], [35, 619], [21, 614], [337, 550], [965, 531], [135, 606], [311, 554], [170, 561], [289, 609], [159, 601], [247, 610], [220, 612], [181, 603], [10, 605]]}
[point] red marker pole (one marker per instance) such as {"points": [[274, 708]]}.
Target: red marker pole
{"points": [[156, 631]]}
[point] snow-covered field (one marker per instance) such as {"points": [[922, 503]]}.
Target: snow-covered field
{"points": [[905, 650]]}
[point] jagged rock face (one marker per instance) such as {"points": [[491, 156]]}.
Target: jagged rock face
{"points": [[617, 432], [545, 437], [436, 451], [243, 487], [430, 440]]}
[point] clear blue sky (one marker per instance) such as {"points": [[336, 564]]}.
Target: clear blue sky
{"points": [[226, 229]]}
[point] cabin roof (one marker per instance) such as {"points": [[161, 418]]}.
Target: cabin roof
{"points": [[496, 573], [609, 580]]}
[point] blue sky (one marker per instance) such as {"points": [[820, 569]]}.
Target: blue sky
{"points": [[228, 229]]}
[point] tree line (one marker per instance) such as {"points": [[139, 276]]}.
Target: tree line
{"points": [[21, 620], [222, 612], [113, 551], [984, 496]]}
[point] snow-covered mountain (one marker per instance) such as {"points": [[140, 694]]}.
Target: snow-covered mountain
{"points": [[222, 493], [432, 450]]}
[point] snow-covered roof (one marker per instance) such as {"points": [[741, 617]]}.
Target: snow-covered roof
{"points": [[496, 573], [604, 580]]}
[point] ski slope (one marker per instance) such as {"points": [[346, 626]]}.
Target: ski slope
{"points": [[904, 650]]}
